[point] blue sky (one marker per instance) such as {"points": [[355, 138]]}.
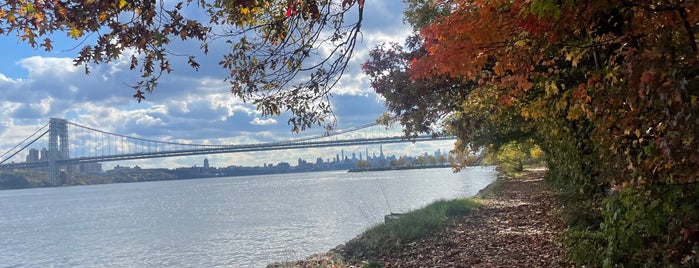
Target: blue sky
{"points": [[187, 106]]}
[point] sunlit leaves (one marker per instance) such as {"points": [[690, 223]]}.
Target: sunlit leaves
{"points": [[75, 33]]}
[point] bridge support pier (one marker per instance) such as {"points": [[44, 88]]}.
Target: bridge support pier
{"points": [[58, 149]]}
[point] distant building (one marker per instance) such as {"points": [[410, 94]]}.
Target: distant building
{"points": [[118, 167], [206, 163], [33, 155], [44, 154], [90, 168]]}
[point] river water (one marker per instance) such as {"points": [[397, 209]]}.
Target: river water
{"points": [[222, 222]]}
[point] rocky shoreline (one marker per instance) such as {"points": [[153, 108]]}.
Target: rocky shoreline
{"points": [[518, 226]]}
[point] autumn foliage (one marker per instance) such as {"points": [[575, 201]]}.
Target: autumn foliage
{"points": [[608, 89]]}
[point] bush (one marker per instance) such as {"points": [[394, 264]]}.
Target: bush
{"points": [[652, 226], [585, 247]]}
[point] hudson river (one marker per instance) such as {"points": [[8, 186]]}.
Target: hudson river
{"points": [[222, 222]]}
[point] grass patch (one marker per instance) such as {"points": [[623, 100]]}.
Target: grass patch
{"points": [[388, 237]]}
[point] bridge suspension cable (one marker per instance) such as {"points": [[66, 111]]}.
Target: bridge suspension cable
{"points": [[139, 139], [326, 135], [26, 145]]}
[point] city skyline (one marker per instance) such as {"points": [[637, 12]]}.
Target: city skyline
{"points": [[352, 157], [80, 144]]}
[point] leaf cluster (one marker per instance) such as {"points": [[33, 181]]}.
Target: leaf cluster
{"points": [[284, 55], [110, 29]]}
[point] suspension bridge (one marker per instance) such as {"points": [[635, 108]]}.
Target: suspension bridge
{"points": [[71, 144]]}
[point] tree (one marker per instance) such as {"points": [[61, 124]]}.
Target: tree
{"points": [[276, 61], [363, 164], [609, 96]]}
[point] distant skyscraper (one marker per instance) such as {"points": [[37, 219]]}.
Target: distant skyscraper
{"points": [[206, 163], [33, 155], [44, 154]]}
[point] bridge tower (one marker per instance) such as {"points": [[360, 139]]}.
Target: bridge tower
{"points": [[58, 148]]}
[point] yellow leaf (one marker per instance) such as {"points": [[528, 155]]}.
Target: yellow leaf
{"points": [[574, 55], [39, 17], [122, 4], [75, 33], [551, 88], [521, 43], [638, 133]]}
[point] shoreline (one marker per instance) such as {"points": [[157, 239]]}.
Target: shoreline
{"points": [[517, 225]]}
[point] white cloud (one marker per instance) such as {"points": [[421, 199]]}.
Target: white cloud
{"points": [[353, 84], [5, 81], [39, 66], [43, 107], [183, 107], [148, 121], [263, 122]]}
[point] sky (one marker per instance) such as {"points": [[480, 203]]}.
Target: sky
{"points": [[188, 106]]}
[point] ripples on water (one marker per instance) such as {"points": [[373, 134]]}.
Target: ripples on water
{"points": [[222, 222]]}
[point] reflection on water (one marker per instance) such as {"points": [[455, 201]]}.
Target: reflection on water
{"points": [[222, 222]]}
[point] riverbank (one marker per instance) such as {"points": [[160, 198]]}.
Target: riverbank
{"points": [[517, 225]]}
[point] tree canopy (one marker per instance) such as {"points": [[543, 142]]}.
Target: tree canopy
{"points": [[276, 58], [607, 89]]}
